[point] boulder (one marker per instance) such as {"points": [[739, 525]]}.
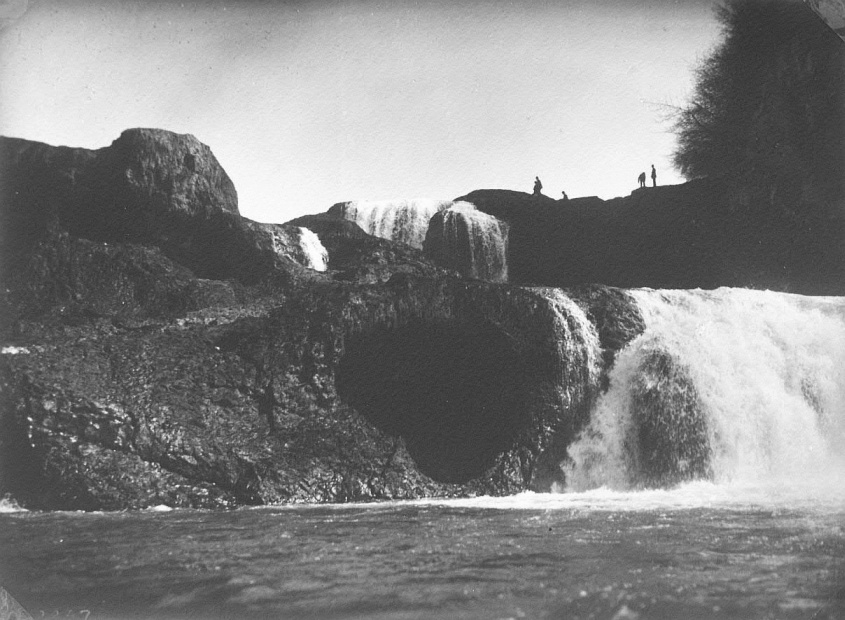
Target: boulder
{"points": [[471, 242], [670, 443], [150, 187]]}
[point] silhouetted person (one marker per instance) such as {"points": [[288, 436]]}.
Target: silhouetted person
{"points": [[537, 186], [641, 179], [565, 197], [653, 176]]}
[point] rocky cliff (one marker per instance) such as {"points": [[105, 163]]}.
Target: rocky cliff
{"points": [[159, 348]]}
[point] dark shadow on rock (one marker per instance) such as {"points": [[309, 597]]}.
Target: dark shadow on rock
{"points": [[453, 391]]}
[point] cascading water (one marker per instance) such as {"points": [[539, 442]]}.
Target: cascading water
{"points": [[404, 221], [314, 253], [294, 243], [469, 241], [744, 388], [578, 345]]}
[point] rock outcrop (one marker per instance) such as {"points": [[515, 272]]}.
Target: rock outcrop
{"points": [[158, 348], [701, 234], [150, 187], [669, 442]]}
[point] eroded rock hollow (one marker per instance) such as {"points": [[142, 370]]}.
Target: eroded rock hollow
{"points": [[455, 392]]}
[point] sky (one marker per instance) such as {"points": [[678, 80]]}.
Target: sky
{"points": [[310, 103]]}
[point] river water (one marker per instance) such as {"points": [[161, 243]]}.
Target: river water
{"points": [[695, 552], [731, 403]]}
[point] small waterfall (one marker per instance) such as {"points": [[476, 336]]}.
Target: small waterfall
{"points": [[578, 345], [294, 243], [314, 254], [404, 221], [737, 386], [469, 241]]}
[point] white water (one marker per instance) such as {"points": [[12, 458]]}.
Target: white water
{"points": [[469, 241], [404, 221], [578, 344], [768, 371], [12, 350], [9, 505], [295, 243], [315, 255]]}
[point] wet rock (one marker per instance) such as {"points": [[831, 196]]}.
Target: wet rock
{"points": [[670, 427], [615, 314], [470, 242]]}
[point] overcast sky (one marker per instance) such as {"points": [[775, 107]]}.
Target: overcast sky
{"points": [[314, 102]]}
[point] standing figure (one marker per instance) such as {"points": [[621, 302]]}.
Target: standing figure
{"points": [[653, 176], [565, 197], [641, 179], [537, 186]]}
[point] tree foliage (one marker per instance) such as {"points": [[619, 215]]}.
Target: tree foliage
{"points": [[768, 109]]}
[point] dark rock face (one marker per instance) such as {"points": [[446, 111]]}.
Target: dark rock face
{"points": [[701, 234], [182, 171], [38, 185], [150, 187], [72, 277], [671, 443], [450, 389], [292, 399], [158, 348], [617, 318]]}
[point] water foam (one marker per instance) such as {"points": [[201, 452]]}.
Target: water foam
{"points": [[768, 370], [8, 504]]}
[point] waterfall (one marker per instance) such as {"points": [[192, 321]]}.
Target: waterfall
{"points": [[740, 387], [295, 243], [314, 254], [578, 346], [469, 241], [404, 221]]}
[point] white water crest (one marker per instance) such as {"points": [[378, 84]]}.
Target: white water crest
{"points": [[469, 241], [757, 377], [314, 253], [404, 221]]}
